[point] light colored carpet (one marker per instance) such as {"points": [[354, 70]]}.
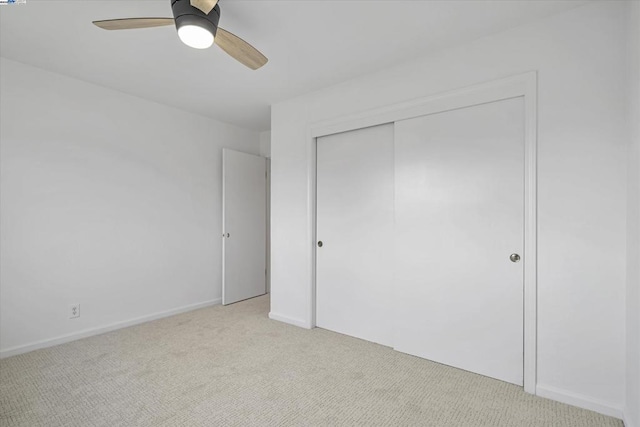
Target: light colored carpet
{"points": [[233, 366]]}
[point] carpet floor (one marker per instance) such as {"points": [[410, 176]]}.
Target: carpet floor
{"points": [[232, 366]]}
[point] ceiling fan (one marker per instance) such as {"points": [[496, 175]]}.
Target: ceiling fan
{"points": [[197, 25]]}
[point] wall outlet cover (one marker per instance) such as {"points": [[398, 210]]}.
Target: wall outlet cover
{"points": [[74, 311]]}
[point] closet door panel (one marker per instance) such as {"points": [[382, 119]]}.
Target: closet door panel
{"points": [[354, 271], [459, 206]]}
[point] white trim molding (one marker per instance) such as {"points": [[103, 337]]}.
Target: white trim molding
{"points": [[289, 320], [522, 85], [580, 401], [13, 351]]}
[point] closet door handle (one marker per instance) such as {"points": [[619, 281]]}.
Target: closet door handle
{"points": [[319, 243]]}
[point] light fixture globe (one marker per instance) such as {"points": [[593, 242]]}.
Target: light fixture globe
{"points": [[195, 36], [195, 28]]}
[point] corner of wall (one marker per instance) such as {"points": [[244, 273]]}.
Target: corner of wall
{"points": [[265, 144]]}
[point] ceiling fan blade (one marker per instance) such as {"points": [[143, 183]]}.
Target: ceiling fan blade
{"points": [[131, 23], [204, 5], [240, 49]]}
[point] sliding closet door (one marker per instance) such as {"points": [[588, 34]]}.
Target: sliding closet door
{"points": [[354, 272], [459, 218]]}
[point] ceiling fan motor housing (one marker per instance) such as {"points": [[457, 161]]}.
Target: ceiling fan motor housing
{"points": [[185, 14]]}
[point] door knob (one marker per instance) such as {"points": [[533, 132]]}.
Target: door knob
{"points": [[319, 243], [514, 257], [228, 235]]}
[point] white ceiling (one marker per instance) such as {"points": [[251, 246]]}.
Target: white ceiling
{"points": [[310, 45]]}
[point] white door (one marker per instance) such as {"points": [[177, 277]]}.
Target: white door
{"points": [[459, 216], [243, 226], [354, 270]]}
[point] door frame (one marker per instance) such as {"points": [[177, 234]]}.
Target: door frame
{"points": [[521, 85]]}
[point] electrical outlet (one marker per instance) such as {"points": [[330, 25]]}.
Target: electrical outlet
{"points": [[74, 311]]}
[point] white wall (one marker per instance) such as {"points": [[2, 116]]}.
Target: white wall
{"points": [[632, 412], [107, 200], [580, 56]]}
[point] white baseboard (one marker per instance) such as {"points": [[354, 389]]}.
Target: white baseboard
{"points": [[103, 329], [289, 320], [580, 401]]}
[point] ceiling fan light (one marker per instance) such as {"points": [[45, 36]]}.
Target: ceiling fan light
{"points": [[195, 36], [195, 28]]}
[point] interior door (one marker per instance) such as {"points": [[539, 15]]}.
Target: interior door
{"points": [[459, 218], [354, 270], [243, 226]]}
